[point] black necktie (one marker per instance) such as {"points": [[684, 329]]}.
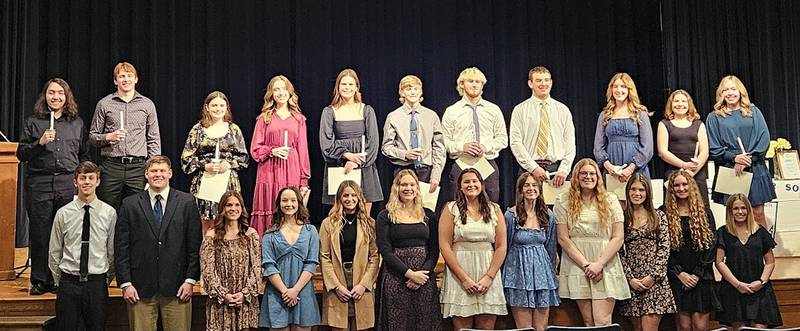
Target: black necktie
{"points": [[85, 245], [158, 210]]}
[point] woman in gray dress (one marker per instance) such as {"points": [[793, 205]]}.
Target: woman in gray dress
{"points": [[348, 137]]}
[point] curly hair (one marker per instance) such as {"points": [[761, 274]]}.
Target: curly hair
{"points": [[652, 219], [394, 204], [336, 214], [301, 216], [219, 221], [635, 106], [483, 198], [702, 235], [575, 203], [539, 206], [270, 105]]}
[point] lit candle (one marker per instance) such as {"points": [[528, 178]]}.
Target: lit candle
{"points": [[52, 120], [363, 144], [122, 120], [216, 153], [285, 138]]}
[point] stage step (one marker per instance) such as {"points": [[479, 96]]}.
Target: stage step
{"points": [[26, 323]]}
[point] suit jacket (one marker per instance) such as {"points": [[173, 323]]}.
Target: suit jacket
{"points": [[157, 260]]}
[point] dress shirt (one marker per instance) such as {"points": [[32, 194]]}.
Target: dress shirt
{"points": [[459, 130], [65, 239], [524, 129], [60, 156], [141, 122], [397, 138]]}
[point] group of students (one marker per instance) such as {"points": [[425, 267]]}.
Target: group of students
{"points": [[417, 142]]}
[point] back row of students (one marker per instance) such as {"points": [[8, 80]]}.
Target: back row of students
{"points": [[657, 261]]}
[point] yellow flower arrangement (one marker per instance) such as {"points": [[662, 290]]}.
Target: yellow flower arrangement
{"points": [[777, 146]]}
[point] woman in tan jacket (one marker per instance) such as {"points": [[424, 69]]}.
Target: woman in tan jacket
{"points": [[349, 260]]}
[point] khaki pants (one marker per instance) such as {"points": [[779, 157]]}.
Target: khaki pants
{"points": [[175, 315]]}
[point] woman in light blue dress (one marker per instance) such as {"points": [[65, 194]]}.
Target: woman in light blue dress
{"points": [[529, 277], [734, 117], [290, 254], [623, 140]]}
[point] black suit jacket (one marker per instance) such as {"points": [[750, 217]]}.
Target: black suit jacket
{"points": [[157, 260]]}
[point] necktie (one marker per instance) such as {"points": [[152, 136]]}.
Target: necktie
{"points": [[414, 135], [475, 124], [544, 131], [84, 268], [158, 210]]}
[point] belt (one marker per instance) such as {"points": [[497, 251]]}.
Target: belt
{"points": [[74, 278], [347, 265], [544, 162], [127, 159]]}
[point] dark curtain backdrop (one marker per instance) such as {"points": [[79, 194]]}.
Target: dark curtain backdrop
{"points": [[185, 49]]}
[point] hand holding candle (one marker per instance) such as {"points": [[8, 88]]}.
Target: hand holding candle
{"points": [[52, 120]]}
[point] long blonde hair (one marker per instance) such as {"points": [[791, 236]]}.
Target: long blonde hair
{"points": [[336, 215], [635, 107], [270, 105], [337, 98], [744, 98], [752, 226], [574, 196], [691, 114], [702, 235], [394, 204]]}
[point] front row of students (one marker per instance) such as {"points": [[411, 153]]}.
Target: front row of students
{"points": [[657, 261]]}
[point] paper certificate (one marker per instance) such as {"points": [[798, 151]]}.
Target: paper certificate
{"points": [[728, 183], [788, 165], [480, 163], [336, 176], [429, 200], [213, 186], [550, 193], [613, 185]]}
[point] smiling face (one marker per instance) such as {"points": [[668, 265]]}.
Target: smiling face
{"points": [[470, 185], [680, 186], [530, 190], [731, 93], [126, 81], [473, 87], [407, 189], [158, 176], [587, 177], [217, 108], [87, 183], [740, 212], [349, 200], [232, 209], [412, 94], [637, 193], [55, 96], [680, 105], [619, 90], [289, 202], [347, 87], [280, 92], [541, 84]]}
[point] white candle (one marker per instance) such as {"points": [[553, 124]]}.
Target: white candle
{"points": [[285, 138], [216, 153], [363, 144], [696, 149], [52, 120], [122, 120], [739, 140]]}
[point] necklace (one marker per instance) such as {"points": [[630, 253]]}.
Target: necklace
{"points": [[349, 218]]}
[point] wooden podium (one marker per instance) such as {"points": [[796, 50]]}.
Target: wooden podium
{"points": [[8, 208]]}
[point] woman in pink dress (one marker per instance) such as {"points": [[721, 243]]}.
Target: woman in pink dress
{"points": [[280, 147]]}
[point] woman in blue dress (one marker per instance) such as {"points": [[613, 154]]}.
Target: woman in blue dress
{"points": [[623, 140], [735, 117], [529, 277], [290, 254]]}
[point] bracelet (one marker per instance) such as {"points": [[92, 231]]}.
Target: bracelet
{"points": [[490, 277]]}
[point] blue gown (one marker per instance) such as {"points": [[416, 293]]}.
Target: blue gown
{"points": [[529, 278], [279, 257], [623, 141], [723, 148]]}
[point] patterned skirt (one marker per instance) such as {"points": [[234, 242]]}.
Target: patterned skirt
{"points": [[401, 308]]}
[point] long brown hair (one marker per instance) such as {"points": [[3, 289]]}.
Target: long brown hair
{"points": [[702, 235], [691, 113], [40, 108], [219, 221], [337, 98], [269, 100], [301, 216], [635, 106], [483, 198], [539, 206], [652, 219], [205, 118], [336, 214]]}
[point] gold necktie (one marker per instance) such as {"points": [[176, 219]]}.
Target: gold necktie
{"points": [[544, 131]]}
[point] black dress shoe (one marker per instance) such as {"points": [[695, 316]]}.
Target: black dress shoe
{"points": [[37, 289], [52, 288]]}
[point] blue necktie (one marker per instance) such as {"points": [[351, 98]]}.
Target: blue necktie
{"points": [[414, 136], [158, 210]]}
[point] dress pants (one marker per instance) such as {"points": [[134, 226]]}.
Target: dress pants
{"points": [[119, 181], [46, 194], [82, 305]]}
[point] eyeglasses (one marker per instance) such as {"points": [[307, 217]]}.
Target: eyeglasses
{"points": [[585, 174]]}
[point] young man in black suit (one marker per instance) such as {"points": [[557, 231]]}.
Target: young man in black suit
{"points": [[157, 244]]}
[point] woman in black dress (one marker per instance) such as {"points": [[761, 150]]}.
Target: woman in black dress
{"points": [[745, 260], [408, 242], [689, 269]]}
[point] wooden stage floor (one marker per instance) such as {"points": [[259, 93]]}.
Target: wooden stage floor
{"points": [[16, 303]]}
